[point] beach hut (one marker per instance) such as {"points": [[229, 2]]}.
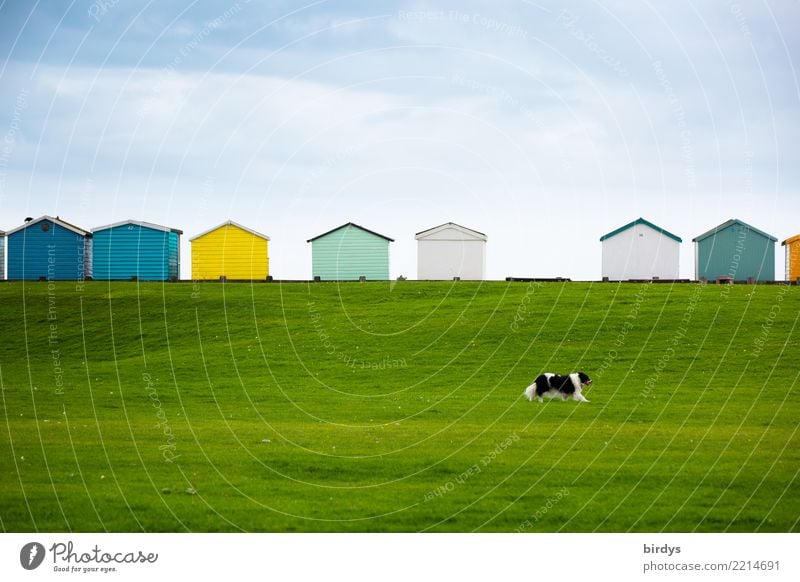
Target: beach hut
{"points": [[736, 251], [451, 250], [640, 250], [136, 250], [49, 248], [230, 251], [2, 255], [792, 257], [350, 252]]}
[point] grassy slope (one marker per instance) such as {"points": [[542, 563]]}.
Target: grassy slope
{"points": [[371, 407]]}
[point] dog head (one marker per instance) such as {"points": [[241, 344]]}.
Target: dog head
{"points": [[585, 380]]}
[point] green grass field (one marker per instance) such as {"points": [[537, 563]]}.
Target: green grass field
{"points": [[398, 407]]}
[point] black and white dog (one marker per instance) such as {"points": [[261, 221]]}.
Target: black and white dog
{"points": [[555, 386]]}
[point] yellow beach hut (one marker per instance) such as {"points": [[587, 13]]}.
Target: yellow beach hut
{"points": [[792, 245], [230, 251]]}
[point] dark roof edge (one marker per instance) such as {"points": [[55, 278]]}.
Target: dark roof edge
{"points": [[350, 224], [641, 220]]}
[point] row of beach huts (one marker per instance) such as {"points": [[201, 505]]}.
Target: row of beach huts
{"points": [[49, 248]]}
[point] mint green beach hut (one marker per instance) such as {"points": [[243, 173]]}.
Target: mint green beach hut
{"points": [[350, 252]]}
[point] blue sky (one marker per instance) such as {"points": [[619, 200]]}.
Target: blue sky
{"points": [[544, 125]]}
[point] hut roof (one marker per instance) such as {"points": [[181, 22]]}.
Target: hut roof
{"points": [[230, 223], [138, 223], [728, 223], [640, 221], [56, 220], [350, 224], [464, 229]]}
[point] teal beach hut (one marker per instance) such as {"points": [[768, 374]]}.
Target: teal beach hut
{"points": [[49, 248], [2, 255], [735, 250], [136, 250], [350, 252]]}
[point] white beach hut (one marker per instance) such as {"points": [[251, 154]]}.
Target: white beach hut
{"points": [[640, 250], [451, 250]]}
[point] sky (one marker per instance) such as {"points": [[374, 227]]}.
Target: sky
{"points": [[543, 125]]}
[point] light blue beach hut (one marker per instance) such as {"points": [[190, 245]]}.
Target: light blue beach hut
{"points": [[136, 250]]}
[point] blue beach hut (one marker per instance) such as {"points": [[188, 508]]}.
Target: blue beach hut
{"points": [[49, 248], [136, 250]]}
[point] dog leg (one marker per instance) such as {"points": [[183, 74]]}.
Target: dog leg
{"points": [[576, 382]]}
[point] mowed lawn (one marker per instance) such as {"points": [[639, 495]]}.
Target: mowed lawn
{"points": [[398, 407]]}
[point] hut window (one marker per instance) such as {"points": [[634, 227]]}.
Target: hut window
{"points": [[45, 226]]}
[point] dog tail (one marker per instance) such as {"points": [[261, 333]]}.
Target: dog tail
{"points": [[530, 392]]}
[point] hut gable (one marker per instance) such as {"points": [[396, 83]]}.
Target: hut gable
{"points": [[349, 252], [49, 248], [637, 222], [640, 250], [451, 250], [450, 231], [737, 250], [733, 223], [135, 249], [232, 251]]}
